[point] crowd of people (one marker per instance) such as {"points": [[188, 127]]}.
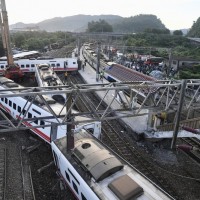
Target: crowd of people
{"points": [[141, 66]]}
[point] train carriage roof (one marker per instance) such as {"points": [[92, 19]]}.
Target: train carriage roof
{"points": [[96, 159]]}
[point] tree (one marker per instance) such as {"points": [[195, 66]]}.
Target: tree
{"points": [[138, 24], [192, 72], [157, 31], [99, 26], [178, 32], [195, 30]]}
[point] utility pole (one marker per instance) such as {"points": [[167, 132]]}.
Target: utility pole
{"points": [[79, 47], [170, 62], [70, 134], [98, 61], [178, 116]]}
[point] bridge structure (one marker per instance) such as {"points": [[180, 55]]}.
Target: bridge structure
{"points": [[180, 101]]}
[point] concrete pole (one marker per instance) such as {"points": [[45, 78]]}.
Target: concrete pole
{"points": [[98, 61], [178, 116], [70, 134], [79, 46], [170, 62]]}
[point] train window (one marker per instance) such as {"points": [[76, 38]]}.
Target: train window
{"points": [[14, 106], [2, 99], [24, 111], [36, 121], [58, 65], [19, 109], [83, 197], [74, 63], [75, 187], [73, 176], [27, 66], [6, 100], [29, 115], [53, 65], [32, 65], [42, 123], [56, 159], [22, 66], [2, 67], [10, 103], [67, 176], [36, 111]]}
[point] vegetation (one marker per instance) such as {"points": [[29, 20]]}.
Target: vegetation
{"points": [[195, 30], [180, 46], [79, 23], [190, 72], [37, 40], [157, 31], [177, 32], [138, 24], [148, 32], [99, 26]]}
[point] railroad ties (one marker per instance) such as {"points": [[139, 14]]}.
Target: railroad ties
{"points": [[2, 173], [15, 173]]}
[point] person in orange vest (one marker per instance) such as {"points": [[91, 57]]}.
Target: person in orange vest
{"points": [[162, 116]]}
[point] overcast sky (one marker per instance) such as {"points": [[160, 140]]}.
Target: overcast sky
{"points": [[174, 14]]}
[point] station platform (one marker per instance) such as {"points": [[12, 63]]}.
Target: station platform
{"points": [[137, 124]]}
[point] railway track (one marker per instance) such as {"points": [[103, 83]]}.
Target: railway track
{"points": [[114, 136], [27, 182], [2, 173], [121, 144], [21, 187], [195, 143], [188, 189]]}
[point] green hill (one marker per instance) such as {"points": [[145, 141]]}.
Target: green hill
{"points": [[79, 23]]}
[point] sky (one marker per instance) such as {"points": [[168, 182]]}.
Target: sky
{"points": [[174, 14]]}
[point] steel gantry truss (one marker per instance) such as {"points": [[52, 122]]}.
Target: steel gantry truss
{"points": [[123, 99]]}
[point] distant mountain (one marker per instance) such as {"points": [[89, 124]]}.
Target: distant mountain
{"points": [[139, 23], [185, 31], [76, 23], [79, 23]]}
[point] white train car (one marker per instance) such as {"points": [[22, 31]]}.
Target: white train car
{"points": [[93, 172], [19, 108], [45, 77], [58, 64]]}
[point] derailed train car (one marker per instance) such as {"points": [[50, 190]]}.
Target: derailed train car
{"points": [[92, 171]]}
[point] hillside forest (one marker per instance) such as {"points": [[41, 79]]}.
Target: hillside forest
{"points": [[154, 34]]}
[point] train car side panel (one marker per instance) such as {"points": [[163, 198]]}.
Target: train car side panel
{"points": [[71, 177]]}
